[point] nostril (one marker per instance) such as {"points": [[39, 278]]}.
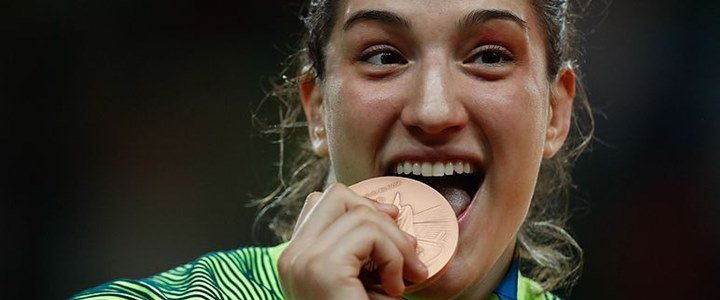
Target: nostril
{"points": [[436, 116], [435, 130], [434, 125]]}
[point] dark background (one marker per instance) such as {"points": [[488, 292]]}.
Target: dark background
{"points": [[127, 146]]}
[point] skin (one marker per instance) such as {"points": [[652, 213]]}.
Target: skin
{"points": [[448, 97]]}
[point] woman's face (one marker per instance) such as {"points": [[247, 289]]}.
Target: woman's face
{"points": [[413, 85]]}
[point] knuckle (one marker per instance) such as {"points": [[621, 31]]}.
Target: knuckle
{"points": [[312, 198], [315, 266], [364, 213], [336, 187], [284, 263], [368, 226], [407, 240], [291, 264], [387, 218]]}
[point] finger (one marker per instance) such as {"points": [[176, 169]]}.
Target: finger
{"points": [[332, 204], [310, 201], [393, 263], [415, 270], [334, 259], [365, 241], [384, 225], [389, 209]]}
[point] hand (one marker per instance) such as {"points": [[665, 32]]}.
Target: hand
{"points": [[335, 232]]}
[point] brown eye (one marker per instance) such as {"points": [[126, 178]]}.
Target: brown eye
{"points": [[488, 57], [384, 58], [491, 55]]}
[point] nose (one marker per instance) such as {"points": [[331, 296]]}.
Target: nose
{"points": [[434, 110]]}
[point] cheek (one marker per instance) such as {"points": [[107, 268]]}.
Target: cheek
{"points": [[514, 126], [359, 116], [515, 116], [512, 116], [365, 101]]}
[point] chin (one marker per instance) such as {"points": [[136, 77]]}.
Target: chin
{"points": [[474, 272], [452, 285], [460, 276]]}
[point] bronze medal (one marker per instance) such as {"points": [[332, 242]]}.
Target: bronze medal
{"points": [[424, 213]]}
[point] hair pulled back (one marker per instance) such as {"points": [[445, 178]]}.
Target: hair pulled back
{"points": [[550, 255]]}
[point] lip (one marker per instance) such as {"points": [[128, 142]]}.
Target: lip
{"points": [[462, 217]]}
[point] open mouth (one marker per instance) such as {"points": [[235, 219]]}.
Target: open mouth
{"points": [[458, 182]]}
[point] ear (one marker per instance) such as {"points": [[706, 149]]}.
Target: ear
{"points": [[311, 97], [560, 111]]}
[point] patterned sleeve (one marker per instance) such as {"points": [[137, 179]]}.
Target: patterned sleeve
{"points": [[247, 273]]}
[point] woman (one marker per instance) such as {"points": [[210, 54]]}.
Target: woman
{"points": [[475, 98]]}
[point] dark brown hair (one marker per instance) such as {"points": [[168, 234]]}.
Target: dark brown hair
{"points": [[549, 253]]}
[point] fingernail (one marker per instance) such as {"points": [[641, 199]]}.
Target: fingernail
{"points": [[422, 268], [388, 208]]}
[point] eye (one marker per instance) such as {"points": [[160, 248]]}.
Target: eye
{"points": [[491, 55], [383, 56]]}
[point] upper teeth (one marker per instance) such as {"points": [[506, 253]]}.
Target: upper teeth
{"points": [[436, 169]]}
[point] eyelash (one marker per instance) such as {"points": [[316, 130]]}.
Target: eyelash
{"points": [[371, 52], [503, 53]]}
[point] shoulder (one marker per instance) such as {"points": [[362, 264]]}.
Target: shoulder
{"points": [[246, 273], [531, 290], [515, 286]]}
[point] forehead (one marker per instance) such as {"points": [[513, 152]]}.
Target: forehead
{"points": [[437, 11]]}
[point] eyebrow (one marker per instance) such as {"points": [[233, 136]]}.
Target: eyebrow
{"points": [[382, 16], [480, 16], [473, 18]]}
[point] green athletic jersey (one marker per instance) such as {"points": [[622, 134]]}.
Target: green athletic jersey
{"points": [[251, 273]]}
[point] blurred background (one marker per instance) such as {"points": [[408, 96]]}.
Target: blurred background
{"points": [[128, 148]]}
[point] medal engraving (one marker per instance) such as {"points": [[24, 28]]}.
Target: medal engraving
{"points": [[424, 213]]}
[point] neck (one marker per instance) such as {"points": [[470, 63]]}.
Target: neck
{"points": [[484, 288]]}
